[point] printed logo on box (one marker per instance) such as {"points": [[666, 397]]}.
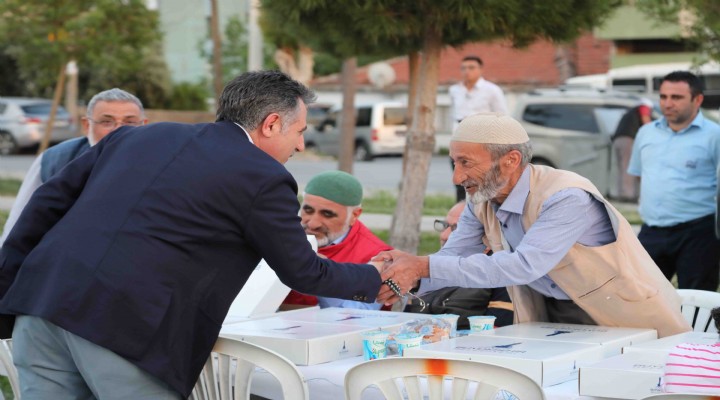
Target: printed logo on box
{"points": [[501, 348]]}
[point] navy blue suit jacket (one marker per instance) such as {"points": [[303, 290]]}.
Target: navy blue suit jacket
{"points": [[141, 244]]}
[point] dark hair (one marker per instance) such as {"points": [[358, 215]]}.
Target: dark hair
{"points": [[251, 97], [715, 313], [696, 85], [473, 58]]}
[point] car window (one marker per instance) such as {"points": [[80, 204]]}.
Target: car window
{"points": [[363, 116], [394, 116], [609, 117], [578, 117], [41, 109], [630, 84]]}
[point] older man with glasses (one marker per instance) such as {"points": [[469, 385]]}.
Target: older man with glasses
{"points": [[464, 301], [106, 111]]}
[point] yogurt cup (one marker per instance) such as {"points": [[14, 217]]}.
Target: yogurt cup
{"points": [[374, 345], [406, 340], [451, 319], [479, 323]]}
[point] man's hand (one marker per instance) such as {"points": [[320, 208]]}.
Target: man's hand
{"points": [[404, 269]]}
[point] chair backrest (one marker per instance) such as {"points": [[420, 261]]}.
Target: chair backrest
{"points": [[696, 306], [393, 376], [7, 362], [678, 396], [228, 372]]}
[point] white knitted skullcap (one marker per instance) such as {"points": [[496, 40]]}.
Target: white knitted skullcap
{"points": [[490, 128]]}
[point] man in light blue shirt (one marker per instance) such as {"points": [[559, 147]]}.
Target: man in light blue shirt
{"points": [[677, 158]]}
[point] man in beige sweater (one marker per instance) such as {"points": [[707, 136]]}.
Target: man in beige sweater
{"points": [[565, 253]]}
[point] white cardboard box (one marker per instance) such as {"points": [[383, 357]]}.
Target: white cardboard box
{"points": [[314, 336], [611, 339], [377, 319], [262, 294], [547, 363], [664, 345], [627, 376], [303, 343]]}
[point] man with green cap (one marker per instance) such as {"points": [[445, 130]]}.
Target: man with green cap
{"points": [[330, 210]]}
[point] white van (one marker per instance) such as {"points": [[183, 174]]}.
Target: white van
{"points": [[645, 79], [379, 130]]}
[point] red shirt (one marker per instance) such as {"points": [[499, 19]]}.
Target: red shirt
{"points": [[359, 246]]}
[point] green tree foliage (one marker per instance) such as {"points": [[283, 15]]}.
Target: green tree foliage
{"points": [[703, 17], [115, 43], [189, 96], [351, 27], [235, 50]]}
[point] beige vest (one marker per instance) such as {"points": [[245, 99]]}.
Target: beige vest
{"points": [[617, 284]]}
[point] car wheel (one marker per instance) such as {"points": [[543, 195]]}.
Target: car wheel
{"points": [[362, 152], [8, 145]]}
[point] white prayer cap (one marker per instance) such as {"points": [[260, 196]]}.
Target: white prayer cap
{"points": [[490, 128]]}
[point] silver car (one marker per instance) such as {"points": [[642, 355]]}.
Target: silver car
{"points": [[572, 129], [23, 122]]}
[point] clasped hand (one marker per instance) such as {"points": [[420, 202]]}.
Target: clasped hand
{"points": [[403, 268]]}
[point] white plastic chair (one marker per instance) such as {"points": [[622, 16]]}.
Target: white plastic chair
{"points": [[7, 361], [696, 306], [393, 376], [228, 372], [678, 396]]}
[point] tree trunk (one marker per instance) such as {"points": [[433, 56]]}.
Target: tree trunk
{"points": [[255, 40], [347, 130], [300, 70], [421, 143], [71, 96], [217, 51], [45, 142], [413, 82]]}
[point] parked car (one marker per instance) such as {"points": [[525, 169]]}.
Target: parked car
{"points": [[317, 113], [571, 129], [23, 122], [379, 130]]}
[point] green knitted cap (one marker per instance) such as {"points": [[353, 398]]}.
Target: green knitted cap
{"points": [[337, 186]]}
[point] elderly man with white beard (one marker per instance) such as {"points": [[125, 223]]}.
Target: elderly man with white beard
{"points": [[564, 252]]}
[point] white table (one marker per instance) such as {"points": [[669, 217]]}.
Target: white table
{"points": [[326, 381]]}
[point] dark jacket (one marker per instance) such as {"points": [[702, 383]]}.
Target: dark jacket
{"points": [[56, 157], [141, 244]]}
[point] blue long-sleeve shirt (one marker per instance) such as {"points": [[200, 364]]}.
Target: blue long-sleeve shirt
{"points": [[569, 216]]}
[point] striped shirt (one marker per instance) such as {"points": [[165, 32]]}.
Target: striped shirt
{"points": [[693, 368]]}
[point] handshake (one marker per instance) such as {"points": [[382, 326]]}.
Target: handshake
{"points": [[399, 272]]}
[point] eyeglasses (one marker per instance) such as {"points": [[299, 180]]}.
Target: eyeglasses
{"points": [[112, 124], [440, 225]]}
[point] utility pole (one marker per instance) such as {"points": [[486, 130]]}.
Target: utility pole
{"points": [[218, 83], [255, 52]]}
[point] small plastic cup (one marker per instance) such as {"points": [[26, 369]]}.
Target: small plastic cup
{"points": [[374, 345], [451, 319], [479, 323], [407, 340]]}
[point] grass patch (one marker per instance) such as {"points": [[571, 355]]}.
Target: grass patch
{"points": [[429, 241], [9, 186], [5, 388], [384, 202]]}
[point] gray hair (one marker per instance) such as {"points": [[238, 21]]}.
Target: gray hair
{"points": [[499, 150], [249, 98], [113, 94]]}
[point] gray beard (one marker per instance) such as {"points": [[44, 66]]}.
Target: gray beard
{"points": [[489, 186]]}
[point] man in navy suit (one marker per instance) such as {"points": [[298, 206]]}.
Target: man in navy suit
{"points": [[122, 266]]}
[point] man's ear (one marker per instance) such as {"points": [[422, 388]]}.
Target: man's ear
{"points": [[355, 215], [85, 122], [270, 124]]}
